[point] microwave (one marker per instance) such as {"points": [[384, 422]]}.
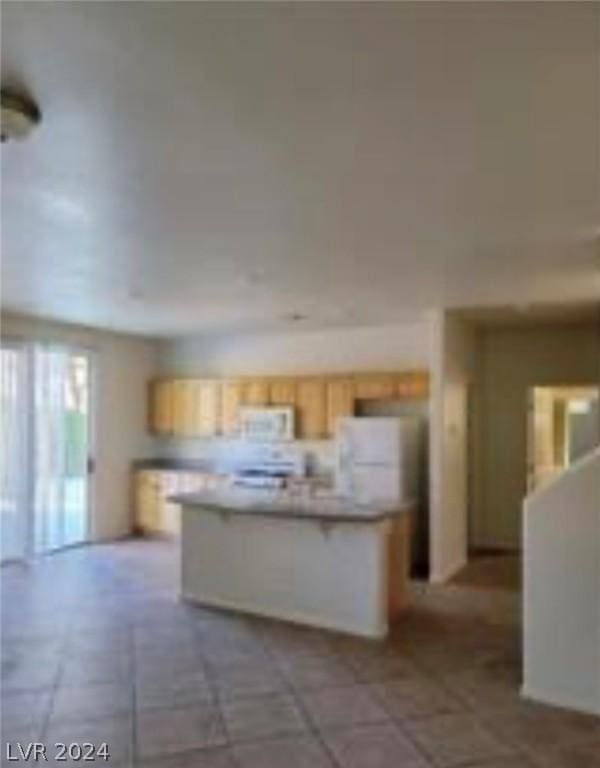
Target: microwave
{"points": [[266, 424]]}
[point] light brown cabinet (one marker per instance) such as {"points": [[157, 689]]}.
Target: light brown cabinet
{"points": [[255, 392], [374, 386], [231, 399], [206, 410], [183, 407], [412, 384], [282, 391], [311, 409], [340, 401], [153, 512], [160, 407], [147, 500], [207, 407]]}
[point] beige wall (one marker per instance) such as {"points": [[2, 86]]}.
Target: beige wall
{"points": [[123, 366], [331, 350], [454, 369], [336, 349], [512, 360]]}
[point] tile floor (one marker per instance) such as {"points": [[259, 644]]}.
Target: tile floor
{"points": [[97, 648]]}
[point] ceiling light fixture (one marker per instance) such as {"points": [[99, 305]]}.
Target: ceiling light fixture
{"points": [[19, 115]]}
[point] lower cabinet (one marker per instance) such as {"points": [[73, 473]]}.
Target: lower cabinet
{"points": [[146, 500], [153, 512]]}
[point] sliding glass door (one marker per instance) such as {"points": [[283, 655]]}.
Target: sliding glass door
{"points": [[47, 473], [61, 447], [14, 488]]}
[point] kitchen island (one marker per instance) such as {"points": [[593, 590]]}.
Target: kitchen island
{"points": [[319, 560]]}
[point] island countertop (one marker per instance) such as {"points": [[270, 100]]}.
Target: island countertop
{"points": [[283, 504]]}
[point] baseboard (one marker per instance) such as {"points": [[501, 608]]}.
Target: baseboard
{"points": [[290, 616], [510, 547], [26, 559], [448, 573], [114, 539], [559, 700]]}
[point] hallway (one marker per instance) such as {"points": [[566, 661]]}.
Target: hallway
{"points": [[491, 570]]}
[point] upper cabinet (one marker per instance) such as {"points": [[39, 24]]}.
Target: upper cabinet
{"points": [[311, 409], [254, 392], [412, 384], [340, 401], [160, 406], [282, 391], [374, 386], [231, 399], [207, 407], [183, 407]]}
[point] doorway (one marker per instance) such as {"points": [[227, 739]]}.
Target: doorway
{"points": [[563, 424], [46, 439]]}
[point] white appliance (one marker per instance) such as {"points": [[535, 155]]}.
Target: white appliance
{"points": [[264, 465], [377, 459], [266, 424]]}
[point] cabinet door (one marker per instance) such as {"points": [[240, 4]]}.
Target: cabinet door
{"points": [[169, 513], [160, 410], [340, 401], [421, 384], [206, 407], [183, 407], [282, 391], [311, 409], [231, 397], [374, 386], [412, 384], [147, 501], [255, 392], [403, 385]]}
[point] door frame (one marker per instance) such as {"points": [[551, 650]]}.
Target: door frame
{"points": [[530, 439], [91, 462]]}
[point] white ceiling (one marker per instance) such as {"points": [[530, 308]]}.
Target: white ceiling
{"points": [[204, 167]]}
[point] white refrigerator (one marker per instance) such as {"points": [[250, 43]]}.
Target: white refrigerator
{"points": [[377, 459]]}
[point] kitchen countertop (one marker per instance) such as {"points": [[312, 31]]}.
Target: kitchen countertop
{"points": [[177, 465], [282, 504]]}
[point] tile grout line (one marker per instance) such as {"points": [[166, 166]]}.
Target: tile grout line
{"points": [[59, 673], [133, 671], [288, 689], [208, 672], [312, 728]]}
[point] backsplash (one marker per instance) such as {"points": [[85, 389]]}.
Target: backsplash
{"points": [[223, 452]]}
